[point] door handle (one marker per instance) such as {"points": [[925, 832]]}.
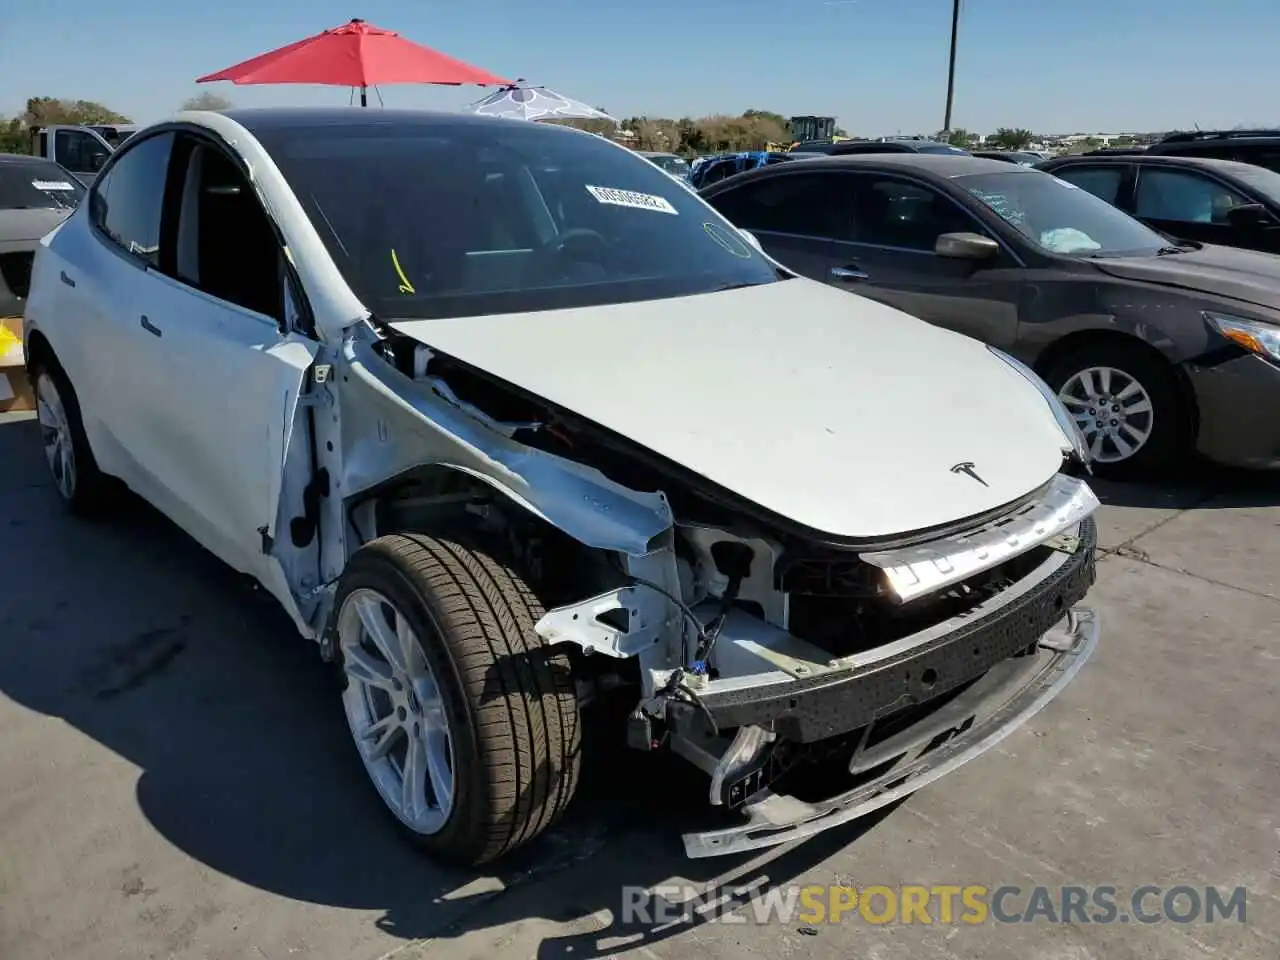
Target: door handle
{"points": [[849, 274], [67, 280], [150, 327]]}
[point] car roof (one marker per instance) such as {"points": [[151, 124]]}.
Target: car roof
{"points": [[1152, 159], [259, 120], [943, 165], [1207, 138], [22, 158]]}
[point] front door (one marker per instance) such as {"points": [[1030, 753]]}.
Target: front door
{"points": [[78, 149], [889, 256], [101, 273], [1192, 206], [223, 370]]}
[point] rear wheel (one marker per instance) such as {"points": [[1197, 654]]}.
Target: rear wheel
{"points": [[83, 487], [467, 723], [1127, 404]]}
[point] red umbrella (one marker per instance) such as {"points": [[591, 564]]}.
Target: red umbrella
{"points": [[356, 54]]}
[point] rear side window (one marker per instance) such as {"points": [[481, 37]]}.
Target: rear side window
{"points": [[1102, 182], [800, 204], [126, 202]]}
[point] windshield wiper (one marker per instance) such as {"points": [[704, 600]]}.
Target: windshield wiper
{"points": [[1170, 250]]}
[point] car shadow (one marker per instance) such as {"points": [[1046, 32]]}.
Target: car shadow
{"points": [[142, 641], [1196, 484]]}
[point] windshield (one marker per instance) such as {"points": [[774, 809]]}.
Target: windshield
{"points": [[468, 217], [1265, 181], [37, 185], [1060, 217], [938, 148]]}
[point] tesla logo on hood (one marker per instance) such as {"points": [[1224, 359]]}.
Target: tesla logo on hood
{"points": [[967, 469]]}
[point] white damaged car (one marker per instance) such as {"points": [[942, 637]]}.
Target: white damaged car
{"points": [[511, 423]]}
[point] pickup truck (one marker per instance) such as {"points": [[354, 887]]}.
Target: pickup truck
{"points": [[80, 149]]}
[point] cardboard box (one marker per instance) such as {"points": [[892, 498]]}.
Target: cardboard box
{"points": [[15, 390]]}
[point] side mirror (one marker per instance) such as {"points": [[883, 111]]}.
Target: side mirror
{"points": [[966, 246], [96, 161], [1250, 215], [752, 239]]}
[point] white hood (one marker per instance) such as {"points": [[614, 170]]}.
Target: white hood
{"points": [[839, 413]]}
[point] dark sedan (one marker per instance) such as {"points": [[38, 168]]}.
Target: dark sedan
{"points": [[35, 196], [1157, 347], [1192, 198]]}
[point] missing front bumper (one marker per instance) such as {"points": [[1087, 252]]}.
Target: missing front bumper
{"points": [[983, 717]]}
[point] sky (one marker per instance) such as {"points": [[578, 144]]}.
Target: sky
{"points": [[879, 66]]}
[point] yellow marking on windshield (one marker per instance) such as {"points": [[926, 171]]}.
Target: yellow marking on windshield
{"points": [[405, 285]]}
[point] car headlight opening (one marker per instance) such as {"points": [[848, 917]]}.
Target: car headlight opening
{"points": [[1070, 429], [1256, 336]]}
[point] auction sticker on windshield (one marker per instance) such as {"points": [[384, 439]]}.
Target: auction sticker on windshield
{"points": [[630, 198], [52, 185]]}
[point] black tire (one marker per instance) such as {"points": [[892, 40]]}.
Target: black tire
{"points": [[91, 493], [1170, 421], [510, 698]]}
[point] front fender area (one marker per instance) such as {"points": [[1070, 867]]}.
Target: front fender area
{"points": [[392, 423]]}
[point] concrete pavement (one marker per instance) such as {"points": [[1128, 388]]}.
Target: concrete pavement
{"points": [[176, 780]]}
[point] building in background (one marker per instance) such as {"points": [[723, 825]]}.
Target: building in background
{"points": [[812, 128]]}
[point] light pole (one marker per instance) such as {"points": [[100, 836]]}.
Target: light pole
{"points": [[951, 66]]}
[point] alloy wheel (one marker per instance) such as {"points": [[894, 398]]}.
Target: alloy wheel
{"points": [[1112, 409], [55, 435], [396, 711]]}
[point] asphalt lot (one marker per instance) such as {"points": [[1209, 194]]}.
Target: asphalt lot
{"points": [[176, 780]]}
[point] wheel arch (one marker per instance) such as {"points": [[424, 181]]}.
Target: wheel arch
{"points": [[1080, 339], [432, 497], [38, 350]]}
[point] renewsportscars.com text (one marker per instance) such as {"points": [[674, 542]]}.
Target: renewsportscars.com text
{"points": [[940, 903]]}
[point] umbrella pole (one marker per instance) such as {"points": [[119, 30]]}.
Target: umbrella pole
{"points": [[364, 96]]}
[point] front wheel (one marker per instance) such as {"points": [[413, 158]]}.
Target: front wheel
{"points": [[83, 487], [467, 723], [1127, 404]]}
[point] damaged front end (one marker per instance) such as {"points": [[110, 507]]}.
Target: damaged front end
{"points": [[759, 652]]}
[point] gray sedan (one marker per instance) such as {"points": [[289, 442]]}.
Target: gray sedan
{"points": [[1156, 346]]}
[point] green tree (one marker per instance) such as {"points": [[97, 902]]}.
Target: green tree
{"points": [[693, 139], [749, 130], [959, 137], [14, 137], [1011, 138], [606, 128], [208, 100], [1085, 145], [43, 111]]}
